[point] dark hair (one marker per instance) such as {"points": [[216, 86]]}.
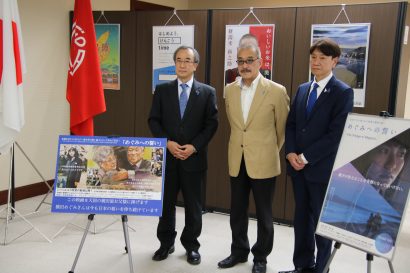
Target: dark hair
{"points": [[196, 54], [76, 153], [326, 46]]}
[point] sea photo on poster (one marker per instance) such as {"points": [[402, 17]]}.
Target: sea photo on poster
{"points": [[104, 175], [369, 187], [233, 34], [165, 40], [353, 40], [108, 45]]}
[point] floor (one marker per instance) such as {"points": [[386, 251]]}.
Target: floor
{"points": [[103, 252]]}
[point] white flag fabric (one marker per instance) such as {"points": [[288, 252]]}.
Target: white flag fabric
{"points": [[12, 68]]}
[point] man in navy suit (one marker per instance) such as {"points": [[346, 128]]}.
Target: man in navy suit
{"points": [[313, 131], [184, 111]]}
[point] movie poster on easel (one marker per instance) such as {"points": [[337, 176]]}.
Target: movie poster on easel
{"points": [[165, 40], [369, 185], [351, 68], [102, 175], [265, 35]]}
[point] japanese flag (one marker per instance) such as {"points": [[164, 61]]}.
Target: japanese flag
{"points": [[12, 68]]}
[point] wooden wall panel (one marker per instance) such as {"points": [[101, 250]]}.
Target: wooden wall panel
{"points": [[383, 30], [143, 72], [119, 117], [218, 189]]}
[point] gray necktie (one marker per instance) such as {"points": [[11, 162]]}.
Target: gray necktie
{"points": [[183, 99]]}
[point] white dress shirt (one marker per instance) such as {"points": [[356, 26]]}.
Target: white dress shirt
{"points": [[247, 94], [188, 89]]}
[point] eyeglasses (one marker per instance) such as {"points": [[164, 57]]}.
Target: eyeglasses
{"points": [[247, 61], [184, 62]]}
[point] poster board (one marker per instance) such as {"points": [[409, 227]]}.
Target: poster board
{"points": [[369, 186], [233, 34], [165, 40], [98, 175], [353, 40], [108, 46]]}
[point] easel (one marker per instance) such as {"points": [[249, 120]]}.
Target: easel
{"points": [[10, 207], [124, 219], [369, 258]]}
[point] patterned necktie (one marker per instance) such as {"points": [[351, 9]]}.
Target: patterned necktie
{"points": [[312, 99], [183, 99]]}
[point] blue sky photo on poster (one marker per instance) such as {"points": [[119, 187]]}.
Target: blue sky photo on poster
{"points": [[353, 40], [368, 189]]}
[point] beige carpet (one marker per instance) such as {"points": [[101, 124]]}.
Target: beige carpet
{"points": [[104, 252]]}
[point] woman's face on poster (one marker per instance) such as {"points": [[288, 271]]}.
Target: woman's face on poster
{"points": [[386, 163], [110, 163]]}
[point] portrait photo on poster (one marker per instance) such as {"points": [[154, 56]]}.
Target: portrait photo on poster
{"points": [[367, 196]]}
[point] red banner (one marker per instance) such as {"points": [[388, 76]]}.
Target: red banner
{"points": [[85, 92]]}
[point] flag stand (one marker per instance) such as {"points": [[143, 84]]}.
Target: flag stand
{"points": [[10, 207], [124, 220]]}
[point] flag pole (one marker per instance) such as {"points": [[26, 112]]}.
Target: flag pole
{"points": [[10, 208]]}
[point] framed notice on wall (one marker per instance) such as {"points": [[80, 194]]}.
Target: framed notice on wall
{"points": [[351, 68], [165, 40], [101, 175], [369, 185]]}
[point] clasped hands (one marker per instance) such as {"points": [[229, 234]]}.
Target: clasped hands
{"points": [[295, 161], [181, 152]]}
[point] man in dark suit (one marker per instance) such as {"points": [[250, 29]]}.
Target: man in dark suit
{"points": [[313, 131], [184, 111]]}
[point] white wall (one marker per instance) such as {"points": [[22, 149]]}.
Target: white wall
{"points": [[45, 27]]}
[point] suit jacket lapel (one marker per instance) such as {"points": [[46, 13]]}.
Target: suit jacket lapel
{"points": [[174, 98], [193, 96], [236, 104], [323, 96], [257, 100]]}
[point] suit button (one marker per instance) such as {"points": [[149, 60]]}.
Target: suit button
{"points": [[303, 130]]}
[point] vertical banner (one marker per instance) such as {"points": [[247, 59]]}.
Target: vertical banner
{"points": [[369, 186], [165, 40], [108, 45], [353, 40], [101, 175], [233, 34], [12, 68], [85, 92]]}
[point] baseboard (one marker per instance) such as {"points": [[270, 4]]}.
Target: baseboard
{"points": [[27, 191]]}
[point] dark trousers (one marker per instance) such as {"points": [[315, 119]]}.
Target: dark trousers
{"points": [[190, 185], [309, 200], [262, 190]]}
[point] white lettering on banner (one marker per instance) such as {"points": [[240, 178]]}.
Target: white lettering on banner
{"points": [[79, 41]]}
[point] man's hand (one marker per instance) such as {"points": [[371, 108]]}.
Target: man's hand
{"points": [[295, 161], [187, 151]]}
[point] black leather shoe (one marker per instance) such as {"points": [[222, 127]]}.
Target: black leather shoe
{"points": [[232, 261], [162, 253], [259, 267], [301, 270], [193, 257]]}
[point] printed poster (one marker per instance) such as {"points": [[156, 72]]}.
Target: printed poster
{"points": [[165, 40], [102, 175], [369, 186], [108, 46], [353, 40], [265, 36]]}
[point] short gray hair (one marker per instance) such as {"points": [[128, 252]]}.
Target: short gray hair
{"points": [[101, 153], [196, 54], [251, 45]]}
